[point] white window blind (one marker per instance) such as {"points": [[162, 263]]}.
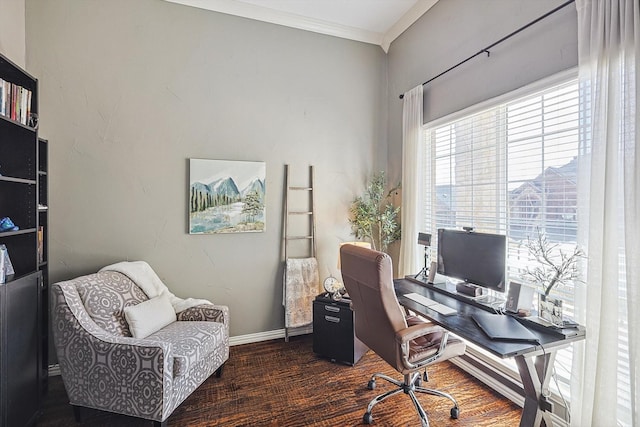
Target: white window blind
{"points": [[510, 169]]}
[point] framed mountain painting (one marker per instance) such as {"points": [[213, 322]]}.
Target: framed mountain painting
{"points": [[226, 196]]}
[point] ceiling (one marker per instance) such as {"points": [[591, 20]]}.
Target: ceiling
{"points": [[371, 21]]}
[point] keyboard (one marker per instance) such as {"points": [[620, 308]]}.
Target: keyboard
{"points": [[431, 304]]}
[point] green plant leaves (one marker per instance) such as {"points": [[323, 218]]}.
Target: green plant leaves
{"points": [[373, 216]]}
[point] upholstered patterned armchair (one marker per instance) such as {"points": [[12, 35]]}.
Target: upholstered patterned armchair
{"points": [[104, 367]]}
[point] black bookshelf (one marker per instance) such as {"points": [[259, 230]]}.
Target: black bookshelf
{"points": [[23, 295], [43, 258]]}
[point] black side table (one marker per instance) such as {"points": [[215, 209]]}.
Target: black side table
{"points": [[333, 331]]}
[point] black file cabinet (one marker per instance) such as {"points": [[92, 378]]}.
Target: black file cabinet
{"points": [[333, 331]]}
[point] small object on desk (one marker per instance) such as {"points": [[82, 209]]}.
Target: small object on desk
{"points": [[431, 304], [569, 323], [568, 331], [333, 286], [503, 327], [432, 273], [468, 289], [519, 297], [421, 299], [425, 240]]}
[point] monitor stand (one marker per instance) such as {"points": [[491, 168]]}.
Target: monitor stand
{"points": [[479, 294], [485, 298]]}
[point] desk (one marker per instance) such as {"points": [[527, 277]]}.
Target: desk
{"points": [[534, 361]]}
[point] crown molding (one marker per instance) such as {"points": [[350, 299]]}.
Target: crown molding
{"points": [[412, 15], [259, 13], [251, 11]]}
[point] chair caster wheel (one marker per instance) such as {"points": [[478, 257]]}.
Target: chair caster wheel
{"points": [[455, 412], [367, 418], [371, 385], [418, 382]]}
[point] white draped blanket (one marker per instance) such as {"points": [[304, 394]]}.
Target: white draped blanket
{"points": [[143, 275]]}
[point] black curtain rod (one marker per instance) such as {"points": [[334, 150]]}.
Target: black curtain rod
{"points": [[486, 49]]}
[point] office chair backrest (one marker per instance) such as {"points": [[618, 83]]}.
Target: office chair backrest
{"points": [[368, 278]]}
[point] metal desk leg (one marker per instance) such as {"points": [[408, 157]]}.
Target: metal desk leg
{"points": [[535, 372]]}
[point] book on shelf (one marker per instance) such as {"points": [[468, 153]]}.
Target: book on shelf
{"points": [[40, 244], [15, 102], [2, 97]]}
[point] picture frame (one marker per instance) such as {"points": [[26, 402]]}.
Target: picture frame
{"points": [[226, 196]]}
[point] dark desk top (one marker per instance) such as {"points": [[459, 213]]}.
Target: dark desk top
{"points": [[462, 325]]}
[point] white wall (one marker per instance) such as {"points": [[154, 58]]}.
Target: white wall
{"points": [[452, 31], [12, 30], [130, 90]]}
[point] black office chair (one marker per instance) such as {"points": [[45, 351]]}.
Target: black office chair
{"points": [[405, 342]]}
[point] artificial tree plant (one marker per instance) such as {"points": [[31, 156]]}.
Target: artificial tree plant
{"points": [[554, 265], [373, 216]]}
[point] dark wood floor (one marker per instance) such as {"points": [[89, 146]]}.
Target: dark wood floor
{"points": [[274, 383]]}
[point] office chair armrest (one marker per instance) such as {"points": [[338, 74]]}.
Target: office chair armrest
{"points": [[404, 336], [416, 331]]}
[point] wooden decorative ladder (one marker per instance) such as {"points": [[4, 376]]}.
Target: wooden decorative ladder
{"points": [[291, 234]]}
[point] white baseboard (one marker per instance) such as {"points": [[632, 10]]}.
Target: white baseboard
{"points": [[268, 335], [237, 340]]}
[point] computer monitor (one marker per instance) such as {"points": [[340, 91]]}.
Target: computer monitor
{"points": [[475, 258]]}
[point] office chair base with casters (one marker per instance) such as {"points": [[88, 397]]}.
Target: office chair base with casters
{"points": [[410, 386]]}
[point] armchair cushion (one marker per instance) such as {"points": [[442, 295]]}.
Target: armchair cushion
{"points": [[149, 316], [190, 341], [204, 312], [105, 295]]}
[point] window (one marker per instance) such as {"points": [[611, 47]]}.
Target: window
{"points": [[509, 168]]}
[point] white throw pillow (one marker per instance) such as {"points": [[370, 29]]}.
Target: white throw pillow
{"points": [[149, 316]]}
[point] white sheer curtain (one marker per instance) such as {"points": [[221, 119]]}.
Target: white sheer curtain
{"points": [[411, 211], [605, 378]]}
